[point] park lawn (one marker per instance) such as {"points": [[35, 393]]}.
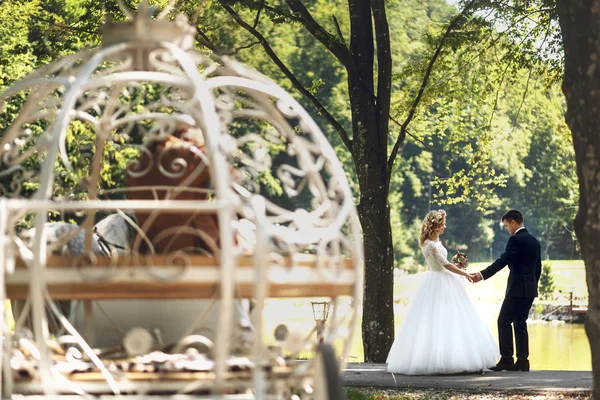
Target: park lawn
{"points": [[372, 394], [568, 275]]}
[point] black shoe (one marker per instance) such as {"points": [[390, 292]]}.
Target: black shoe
{"points": [[522, 365], [503, 366]]}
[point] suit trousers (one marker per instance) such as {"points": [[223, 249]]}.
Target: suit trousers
{"points": [[514, 311]]}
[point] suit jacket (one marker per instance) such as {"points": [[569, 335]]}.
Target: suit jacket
{"points": [[523, 257]]}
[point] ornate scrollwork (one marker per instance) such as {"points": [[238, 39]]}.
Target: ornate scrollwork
{"points": [[184, 157]]}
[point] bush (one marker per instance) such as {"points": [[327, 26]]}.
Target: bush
{"points": [[546, 285]]}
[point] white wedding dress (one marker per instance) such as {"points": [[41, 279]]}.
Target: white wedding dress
{"points": [[443, 332]]}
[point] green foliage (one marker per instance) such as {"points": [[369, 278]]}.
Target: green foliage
{"points": [[476, 147], [530, 32], [536, 152], [489, 133], [546, 284], [16, 52]]}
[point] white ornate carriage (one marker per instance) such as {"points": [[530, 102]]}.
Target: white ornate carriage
{"points": [[188, 217]]}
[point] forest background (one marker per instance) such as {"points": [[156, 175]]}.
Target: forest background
{"points": [[531, 165]]}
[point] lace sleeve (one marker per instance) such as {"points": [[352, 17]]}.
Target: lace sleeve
{"points": [[433, 251]]}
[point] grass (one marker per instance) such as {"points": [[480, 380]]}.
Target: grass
{"points": [[371, 394], [568, 275]]}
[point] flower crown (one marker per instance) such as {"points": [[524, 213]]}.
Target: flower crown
{"points": [[438, 216]]}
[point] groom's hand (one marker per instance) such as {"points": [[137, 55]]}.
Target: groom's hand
{"points": [[476, 277]]}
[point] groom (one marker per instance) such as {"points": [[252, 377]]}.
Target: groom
{"points": [[523, 257]]}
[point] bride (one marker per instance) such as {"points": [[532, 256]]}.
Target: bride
{"points": [[442, 332]]}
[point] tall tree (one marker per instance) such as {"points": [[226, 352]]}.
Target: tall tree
{"points": [[580, 25], [366, 58], [368, 61]]}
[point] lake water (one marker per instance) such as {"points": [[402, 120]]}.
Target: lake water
{"points": [[559, 347]]}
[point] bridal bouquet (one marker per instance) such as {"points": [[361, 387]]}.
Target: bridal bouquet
{"points": [[461, 260]]}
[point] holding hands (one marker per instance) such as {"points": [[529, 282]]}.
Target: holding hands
{"points": [[476, 277]]}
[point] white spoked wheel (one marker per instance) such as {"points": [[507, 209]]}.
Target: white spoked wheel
{"points": [[328, 383]]}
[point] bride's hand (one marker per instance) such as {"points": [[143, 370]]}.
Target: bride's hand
{"points": [[468, 277]]}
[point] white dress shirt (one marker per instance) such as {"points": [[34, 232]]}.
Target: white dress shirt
{"points": [[523, 227]]}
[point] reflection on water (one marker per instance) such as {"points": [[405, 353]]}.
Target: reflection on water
{"points": [[559, 347]]}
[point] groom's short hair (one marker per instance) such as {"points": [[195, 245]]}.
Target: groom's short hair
{"points": [[513, 215]]}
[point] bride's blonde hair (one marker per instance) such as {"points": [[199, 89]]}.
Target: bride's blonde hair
{"points": [[432, 222]]}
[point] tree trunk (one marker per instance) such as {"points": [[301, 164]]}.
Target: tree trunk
{"points": [[580, 25], [370, 135], [374, 214]]}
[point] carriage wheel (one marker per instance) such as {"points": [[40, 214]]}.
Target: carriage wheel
{"points": [[328, 382]]}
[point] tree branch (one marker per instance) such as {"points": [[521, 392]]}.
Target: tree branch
{"points": [[69, 28], [262, 5], [384, 68], [337, 28], [286, 71], [424, 83], [247, 46], [410, 134], [445, 78], [205, 41], [501, 82], [529, 78], [331, 43]]}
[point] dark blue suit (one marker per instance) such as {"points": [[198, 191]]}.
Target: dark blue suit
{"points": [[523, 257]]}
